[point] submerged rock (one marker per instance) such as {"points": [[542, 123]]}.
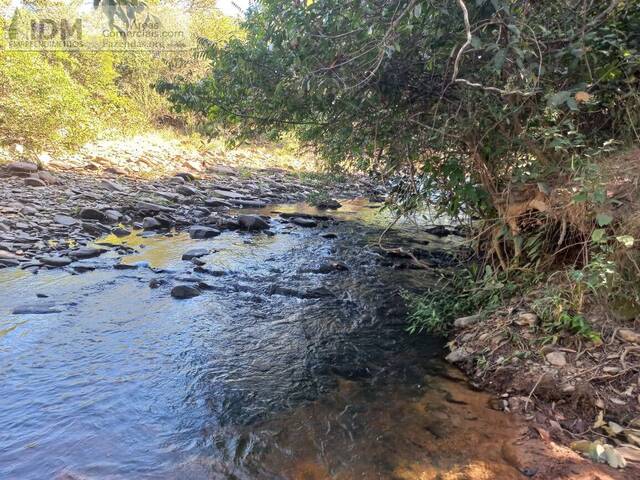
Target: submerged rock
{"points": [[183, 292], [36, 310], [195, 253], [304, 222], [55, 261], [87, 252]]}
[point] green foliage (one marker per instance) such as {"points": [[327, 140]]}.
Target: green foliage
{"points": [[40, 103], [397, 86], [558, 310], [58, 100], [318, 197], [458, 295]]}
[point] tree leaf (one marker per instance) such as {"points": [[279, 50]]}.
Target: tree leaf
{"points": [[604, 219], [626, 240], [598, 235]]}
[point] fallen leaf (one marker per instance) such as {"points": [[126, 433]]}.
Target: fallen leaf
{"points": [[599, 420], [544, 434], [613, 457], [629, 452], [582, 97]]}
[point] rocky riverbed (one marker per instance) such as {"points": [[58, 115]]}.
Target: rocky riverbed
{"points": [[48, 218]]}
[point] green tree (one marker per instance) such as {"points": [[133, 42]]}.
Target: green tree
{"points": [[465, 96]]}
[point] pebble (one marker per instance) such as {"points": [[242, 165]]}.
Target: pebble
{"points": [[629, 335], [557, 359]]}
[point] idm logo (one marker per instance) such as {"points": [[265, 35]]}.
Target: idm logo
{"points": [[48, 29]]}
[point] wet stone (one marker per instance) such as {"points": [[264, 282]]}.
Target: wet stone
{"points": [[150, 223], [201, 232], [183, 292], [304, 222], [195, 253], [86, 252], [55, 261], [121, 232], [216, 202], [92, 214], [36, 310], [252, 222], [330, 204]]}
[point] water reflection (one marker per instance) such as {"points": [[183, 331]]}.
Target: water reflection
{"points": [[253, 379]]}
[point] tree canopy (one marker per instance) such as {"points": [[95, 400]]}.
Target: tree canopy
{"points": [[464, 95]]}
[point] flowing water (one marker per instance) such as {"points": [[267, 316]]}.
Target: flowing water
{"points": [[275, 371]]}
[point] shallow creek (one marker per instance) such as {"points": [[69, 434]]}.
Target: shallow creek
{"points": [[250, 380]]}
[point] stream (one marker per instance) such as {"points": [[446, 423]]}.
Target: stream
{"points": [[283, 368]]}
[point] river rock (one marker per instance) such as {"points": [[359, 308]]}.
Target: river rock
{"points": [[227, 194], [464, 322], [34, 182], [183, 292], [150, 223], [88, 213], [458, 355], [249, 203], [55, 261], [186, 176], [95, 229], [186, 190], [112, 216], [113, 186], [151, 207], [216, 202], [86, 252], [65, 220], [304, 222], [329, 204], [48, 177], [36, 310], [557, 359], [201, 232], [22, 167], [121, 232], [195, 253], [252, 222], [629, 335], [332, 266]]}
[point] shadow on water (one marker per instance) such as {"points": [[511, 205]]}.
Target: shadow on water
{"points": [[276, 371]]}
